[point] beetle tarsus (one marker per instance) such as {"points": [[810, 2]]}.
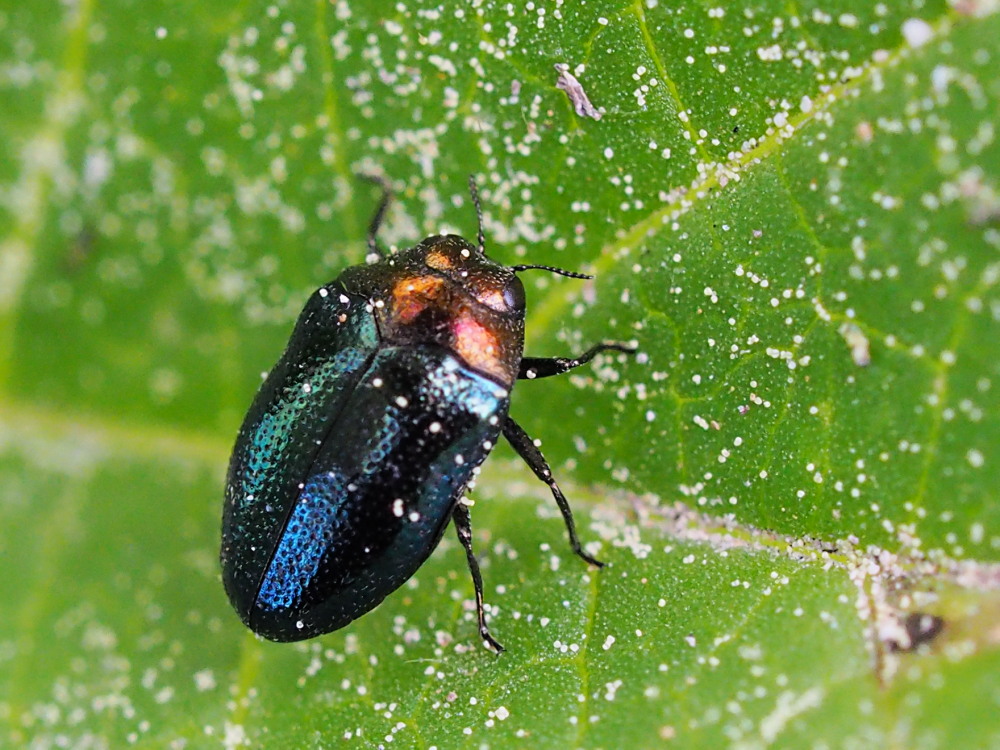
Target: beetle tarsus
{"points": [[463, 525], [528, 451], [543, 367], [492, 642]]}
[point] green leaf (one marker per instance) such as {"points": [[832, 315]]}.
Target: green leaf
{"points": [[792, 209]]}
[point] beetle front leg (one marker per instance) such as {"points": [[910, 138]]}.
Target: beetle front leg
{"points": [[527, 449], [544, 367], [463, 525], [376, 223]]}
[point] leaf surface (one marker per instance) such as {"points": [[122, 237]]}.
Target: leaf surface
{"points": [[791, 209]]}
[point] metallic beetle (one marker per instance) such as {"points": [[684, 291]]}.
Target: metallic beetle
{"points": [[357, 449]]}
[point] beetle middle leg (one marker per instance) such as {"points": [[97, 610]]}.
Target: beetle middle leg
{"points": [[525, 448], [463, 525], [544, 367]]}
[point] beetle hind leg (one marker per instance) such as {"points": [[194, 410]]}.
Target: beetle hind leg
{"points": [[527, 450], [463, 525], [545, 367]]}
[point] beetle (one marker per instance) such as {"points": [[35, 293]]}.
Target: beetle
{"points": [[361, 442]]}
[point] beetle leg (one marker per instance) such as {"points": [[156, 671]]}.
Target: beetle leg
{"points": [[474, 192], [383, 205], [544, 367], [463, 525], [524, 446]]}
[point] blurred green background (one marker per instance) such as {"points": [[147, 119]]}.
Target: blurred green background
{"points": [[791, 207]]}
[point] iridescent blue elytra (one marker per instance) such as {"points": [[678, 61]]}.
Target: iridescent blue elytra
{"points": [[360, 444]]}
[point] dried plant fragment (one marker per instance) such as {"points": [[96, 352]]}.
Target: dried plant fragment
{"points": [[574, 90]]}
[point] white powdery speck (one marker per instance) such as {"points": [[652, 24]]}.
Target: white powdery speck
{"points": [[917, 32]]}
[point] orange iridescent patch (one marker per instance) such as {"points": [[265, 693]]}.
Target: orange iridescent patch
{"points": [[492, 297], [478, 346], [411, 296], [438, 261]]}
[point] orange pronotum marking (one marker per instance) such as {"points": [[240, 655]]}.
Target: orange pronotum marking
{"points": [[411, 296]]}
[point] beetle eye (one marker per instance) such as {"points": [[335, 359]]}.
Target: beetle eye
{"points": [[513, 294]]}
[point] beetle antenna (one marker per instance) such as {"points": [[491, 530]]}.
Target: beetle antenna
{"points": [[553, 269], [474, 191]]}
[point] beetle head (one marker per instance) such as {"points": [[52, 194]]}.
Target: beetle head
{"points": [[487, 282]]}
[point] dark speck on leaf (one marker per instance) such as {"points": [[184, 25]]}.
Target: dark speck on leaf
{"points": [[921, 628]]}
